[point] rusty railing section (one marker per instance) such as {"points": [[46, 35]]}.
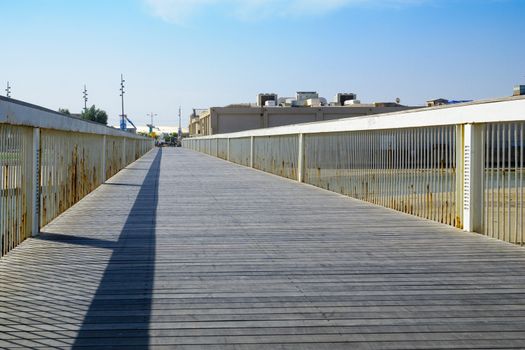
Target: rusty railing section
{"points": [[50, 161], [16, 144]]}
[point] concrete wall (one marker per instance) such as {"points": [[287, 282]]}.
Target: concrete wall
{"points": [[222, 120]]}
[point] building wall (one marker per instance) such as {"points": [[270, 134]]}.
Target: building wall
{"points": [[222, 120], [280, 119], [224, 123]]}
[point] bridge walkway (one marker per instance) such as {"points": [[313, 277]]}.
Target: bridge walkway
{"points": [[184, 249]]}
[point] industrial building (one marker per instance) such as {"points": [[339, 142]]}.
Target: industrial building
{"points": [[271, 110]]}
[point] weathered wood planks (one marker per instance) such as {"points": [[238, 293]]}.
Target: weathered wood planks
{"points": [[182, 249]]}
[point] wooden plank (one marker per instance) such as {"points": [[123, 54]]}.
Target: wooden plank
{"points": [[188, 250]]}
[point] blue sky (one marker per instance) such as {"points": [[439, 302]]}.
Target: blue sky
{"points": [[214, 52]]}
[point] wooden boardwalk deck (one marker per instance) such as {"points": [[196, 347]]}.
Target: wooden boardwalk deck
{"points": [[182, 249]]}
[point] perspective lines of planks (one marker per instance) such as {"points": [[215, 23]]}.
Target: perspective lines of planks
{"points": [[188, 251]]}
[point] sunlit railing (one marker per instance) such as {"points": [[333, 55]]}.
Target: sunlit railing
{"points": [[503, 181], [458, 165], [49, 161], [15, 185]]}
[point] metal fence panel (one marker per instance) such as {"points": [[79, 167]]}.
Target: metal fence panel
{"points": [[504, 202], [222, 148], [277, 155], [213, 147], [16, 143], [240, 150], [70, 169], [410, 170], [114, 155]]}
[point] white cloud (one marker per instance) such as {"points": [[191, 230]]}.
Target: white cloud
{"points": [[180, 11]]}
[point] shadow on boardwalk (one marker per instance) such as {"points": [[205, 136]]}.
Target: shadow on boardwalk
{"points": [[127, 282]]}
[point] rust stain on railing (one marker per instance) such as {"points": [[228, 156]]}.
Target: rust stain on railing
{"points": [[71, 164], [15, 185], [277, 155], [70, 168]]}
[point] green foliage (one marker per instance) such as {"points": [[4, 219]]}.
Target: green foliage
{"points": [[64, 111], [96, 115]]}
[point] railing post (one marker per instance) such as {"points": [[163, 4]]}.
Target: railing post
{"points": [[251, 151], [124, 160], [459, 176], [472, 178], [228, 150], [35, 219], [300, 160], [103, 162]]}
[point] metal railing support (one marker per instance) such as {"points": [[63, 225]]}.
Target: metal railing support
{"points": [[124, 158], [459, 147], [228, 151], [251, 152], [103, 162], [300, 160], [35, 197], [472, 178]]}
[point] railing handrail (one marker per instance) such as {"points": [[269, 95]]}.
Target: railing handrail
{"points": [[484, 111], [17, 112]]}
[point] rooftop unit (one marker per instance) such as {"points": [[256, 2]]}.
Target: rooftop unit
{"points": [[342, 97], [306, 95], [519, 90], [316, 102], [262, 99], [285, 101], [352, 102]]}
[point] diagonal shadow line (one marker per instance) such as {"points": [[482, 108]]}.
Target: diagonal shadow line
{"points": [[132, 262], [76, 240], [120, 184]]}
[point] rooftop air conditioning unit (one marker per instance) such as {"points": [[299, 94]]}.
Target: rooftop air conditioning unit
{"points": [[306, 95], [262, 98], [342, 97]]}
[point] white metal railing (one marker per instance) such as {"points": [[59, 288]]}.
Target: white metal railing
{"points": [[460, 165], [49, 161], [503, 181]]}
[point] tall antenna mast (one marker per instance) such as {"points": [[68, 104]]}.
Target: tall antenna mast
{"points": [[85, 98], [122, 116], [151, 126], [179, 133], [8, 90]]}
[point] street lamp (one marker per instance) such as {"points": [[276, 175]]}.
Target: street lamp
{"points": [[151, 115], [8, 90], [85, 93]]}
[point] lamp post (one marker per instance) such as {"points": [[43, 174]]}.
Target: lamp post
{"points": [[8, 90], [122, 116], [179, 132], [151, 115], [85, 94]]}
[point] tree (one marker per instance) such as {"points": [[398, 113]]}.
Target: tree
{"points": [[96, 115], [170, 137], [64, 111]]}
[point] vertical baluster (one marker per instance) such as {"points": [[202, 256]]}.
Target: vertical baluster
{"points": [[515, 190], [504, 181], [486, 182], [498, 145], [521, 144], [509, 183]]}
